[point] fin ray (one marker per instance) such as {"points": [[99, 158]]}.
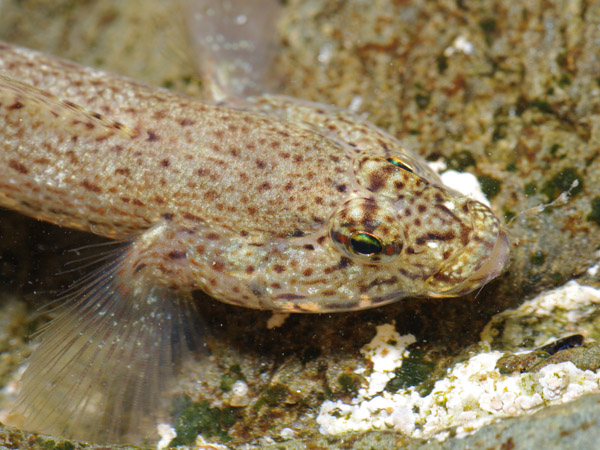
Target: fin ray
{"points": [[235, 43], [104, 366]]}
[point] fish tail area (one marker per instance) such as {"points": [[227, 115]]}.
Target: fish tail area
{"points": [[104, 367], [233, 43]]}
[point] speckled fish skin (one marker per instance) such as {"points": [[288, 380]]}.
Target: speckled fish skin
{"points": [[277, 204], [246, 203]]}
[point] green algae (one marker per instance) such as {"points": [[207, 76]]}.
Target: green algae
{"points": [[193, 418], [488, 26], [508, 215], [231, 376], [541, 105], [442, 64], [563, 181], [490, 186], [51, 444], [500, 132], [460, 160], [422, 100], [64, 445], [530, 188], [273, 395], [349, 383], [537, 258], [594, 215], [555, 148], [564, 81], [413, 372]]}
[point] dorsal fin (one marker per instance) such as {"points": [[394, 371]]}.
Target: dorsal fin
{"points": [[234, 43]]}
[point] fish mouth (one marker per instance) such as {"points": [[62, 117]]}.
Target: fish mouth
{"points": [[493, 267], [483, 257], [495, 263]]}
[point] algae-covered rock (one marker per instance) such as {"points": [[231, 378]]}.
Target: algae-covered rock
{"points": [[506, 90]]}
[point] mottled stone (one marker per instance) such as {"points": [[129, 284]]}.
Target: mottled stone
{"points": [[512, 84]]}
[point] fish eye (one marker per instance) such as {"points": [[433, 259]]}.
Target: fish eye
{"points": [[398, 163], [365, 243], [367, 231]]}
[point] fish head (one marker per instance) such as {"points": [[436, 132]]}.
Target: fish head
{"points": [[405, 223]]}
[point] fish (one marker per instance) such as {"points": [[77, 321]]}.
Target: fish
{"points": [[269, 202]]}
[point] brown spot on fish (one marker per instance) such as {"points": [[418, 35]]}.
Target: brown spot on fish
{"points": [[153, 137], [123, 171], [449, 235], [91, 186], [278, 268], [16, 105], [16, 165], [186, 122], [265, 186], [290, 297], [176, 254]]}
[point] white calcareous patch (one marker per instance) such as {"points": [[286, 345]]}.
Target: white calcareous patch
{"points": [[460, 45], [203, 444], [465, 183], [593, 270], [473, 393], [287, 433], [166, 433], [386, 351], [239, 394], [566, 310]]}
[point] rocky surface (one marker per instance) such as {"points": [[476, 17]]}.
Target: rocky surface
{"points": [[506, 90]]}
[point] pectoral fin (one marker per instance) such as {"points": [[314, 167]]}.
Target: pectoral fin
{"points": [[104, 366]]}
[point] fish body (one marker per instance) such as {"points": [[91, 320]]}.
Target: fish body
{"points": [[236, 198], [273, 203]]}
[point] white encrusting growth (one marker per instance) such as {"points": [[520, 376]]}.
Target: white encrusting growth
{"points": [[386, 350], [472, 393], [460, 44], [563, 311], [464, 182], [166, 433], [593, 270]]}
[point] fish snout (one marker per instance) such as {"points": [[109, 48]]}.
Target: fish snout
{"points": [[482, 259]]}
